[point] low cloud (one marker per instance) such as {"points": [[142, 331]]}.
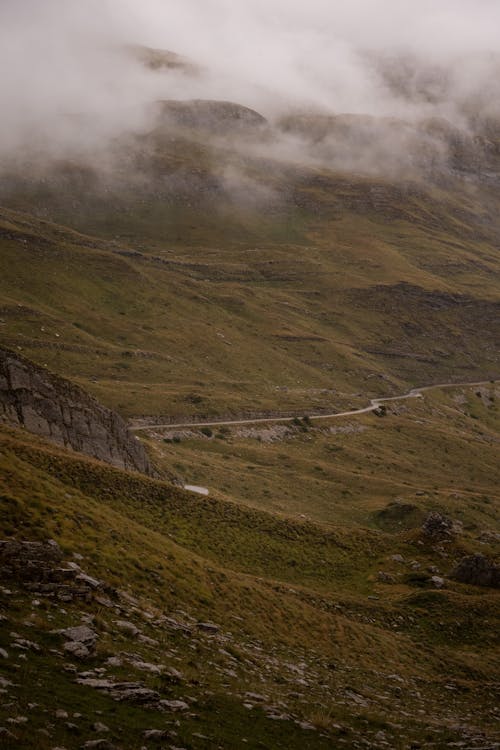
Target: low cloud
{"points": [[71, 83]]}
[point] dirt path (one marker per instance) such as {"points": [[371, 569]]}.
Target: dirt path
{"points": [[375, 403]]}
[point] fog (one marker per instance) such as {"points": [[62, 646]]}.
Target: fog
{"points": [[70, 84]]}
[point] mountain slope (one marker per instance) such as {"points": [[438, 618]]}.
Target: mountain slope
{"points": [[307, 643], [219, 279]]}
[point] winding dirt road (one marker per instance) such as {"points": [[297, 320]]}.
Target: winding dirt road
{"points": [[375, 403]]}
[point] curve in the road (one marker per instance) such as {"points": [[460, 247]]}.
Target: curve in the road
{"points": [[375, 403]]}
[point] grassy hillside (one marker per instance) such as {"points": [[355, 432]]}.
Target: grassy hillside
{"points": [[435, 453], [304, 603], [218, 279], [302, 621]]}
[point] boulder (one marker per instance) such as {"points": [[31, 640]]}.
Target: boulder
{"points": [[80, 634], [438, 527], [127, 628], [81, 641]]}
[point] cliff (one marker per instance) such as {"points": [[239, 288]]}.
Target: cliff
{"points": [[52, 407]]}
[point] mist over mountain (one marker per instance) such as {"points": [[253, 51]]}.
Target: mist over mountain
{"points": [[249, 374], [77, 76]]}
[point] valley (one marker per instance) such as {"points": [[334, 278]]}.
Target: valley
{"points": [[249, 397]]}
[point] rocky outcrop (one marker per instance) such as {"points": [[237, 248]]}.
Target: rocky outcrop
{"points": [[477, 570], [437, 527], [39, 568], [60, 411]]}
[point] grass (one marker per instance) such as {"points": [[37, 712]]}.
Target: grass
{"points": [[164, 294], [230, 564], [198, 304], [425, 454]]}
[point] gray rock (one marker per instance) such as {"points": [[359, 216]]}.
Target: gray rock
{"points": [[134, 693], [128, 628], [121, 691], [489, 537], [397, 558], [100, 727], [76, 649], [80, 634], [24, 644], [92, 582], [81, 643], [114, 661], [3, 654], [147, 667], [65, 414], [477, 570], [438, 527]]}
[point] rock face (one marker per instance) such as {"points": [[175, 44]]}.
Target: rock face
{"points": [[478, 571], [60, 411]]}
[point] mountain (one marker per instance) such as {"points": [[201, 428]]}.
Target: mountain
{"points": [[335, 276], [246, 279]]}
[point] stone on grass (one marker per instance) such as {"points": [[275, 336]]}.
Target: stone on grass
{"points": [[80, 634], [127, 628], [100, 727]]}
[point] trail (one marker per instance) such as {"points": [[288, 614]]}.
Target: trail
{"points": [[374, 404]]}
